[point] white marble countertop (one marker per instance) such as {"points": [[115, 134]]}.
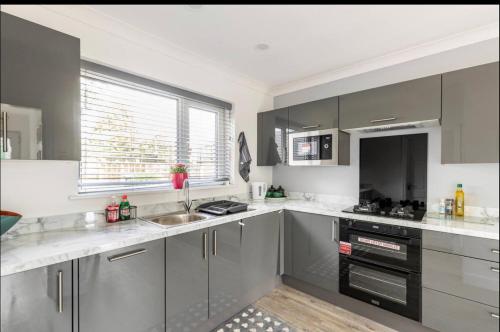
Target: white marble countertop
{"points": [[29, 251]]}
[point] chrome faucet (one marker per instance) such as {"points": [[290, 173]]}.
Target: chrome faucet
{"points": [[187, 202]]}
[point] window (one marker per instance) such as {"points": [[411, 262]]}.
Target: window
{"points": [[132, 133]]}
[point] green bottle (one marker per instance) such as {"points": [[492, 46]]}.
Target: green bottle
{"points": [[124, 208]]}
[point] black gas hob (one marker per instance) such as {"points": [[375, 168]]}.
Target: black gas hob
{"points": [[399, 211]]}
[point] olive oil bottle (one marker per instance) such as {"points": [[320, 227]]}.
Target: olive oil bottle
{"points": [[459, 201]]}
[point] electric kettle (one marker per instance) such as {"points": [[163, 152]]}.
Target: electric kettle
{"points": [[259, 190]]}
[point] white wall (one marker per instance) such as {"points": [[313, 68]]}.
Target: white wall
{"points": [[42, 188], [480, 181]]}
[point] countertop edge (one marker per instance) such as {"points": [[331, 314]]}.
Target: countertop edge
{"points": [[258, 209]]}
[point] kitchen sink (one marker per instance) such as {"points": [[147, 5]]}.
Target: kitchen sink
{"points": [[177, 218]]}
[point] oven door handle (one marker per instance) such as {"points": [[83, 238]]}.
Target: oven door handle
{"points": [[386, 237], [381, 268]]}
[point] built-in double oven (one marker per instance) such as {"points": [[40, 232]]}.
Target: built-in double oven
{"points": [[381, 264]]}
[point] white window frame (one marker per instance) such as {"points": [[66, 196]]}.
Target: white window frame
{"points": [[183, 105]]}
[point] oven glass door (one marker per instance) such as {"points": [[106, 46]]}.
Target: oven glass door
{"points": [[306, 148], [398, 252], [392, 290]]}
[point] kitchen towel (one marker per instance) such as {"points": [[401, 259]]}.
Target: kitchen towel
{"points": [[245, 158]]}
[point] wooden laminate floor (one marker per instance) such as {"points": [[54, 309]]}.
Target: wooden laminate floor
{"points": [[307, 313]]}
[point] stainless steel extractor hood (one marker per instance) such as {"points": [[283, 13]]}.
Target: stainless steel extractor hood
{"points": [[394, 126]]}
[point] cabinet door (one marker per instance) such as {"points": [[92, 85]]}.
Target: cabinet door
{"points": [[123, 290], [40, 70], [315, 115], [415, 100], [38, 300], [311, 249], [272, 137], [260, 240], [225, 278], [187, 281], [470, 115], [470, 278], [448, 313], [461, 245]]}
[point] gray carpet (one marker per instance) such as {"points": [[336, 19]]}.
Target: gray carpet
{"points": [[252, 319]]}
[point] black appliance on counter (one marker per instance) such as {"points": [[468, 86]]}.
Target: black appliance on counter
{"points": [[222, 207], [381, 264], [393, 176]]}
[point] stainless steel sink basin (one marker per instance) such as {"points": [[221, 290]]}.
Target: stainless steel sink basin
{"points": [[176, 218]]}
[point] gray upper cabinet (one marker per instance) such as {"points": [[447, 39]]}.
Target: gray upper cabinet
{"points": [[470, 115], [259, 242], [416, 100], [315, 115], [272, 137], [40, 91], [225, 271], [38, 300], [123, 290], [187, 281], [311, 249]]}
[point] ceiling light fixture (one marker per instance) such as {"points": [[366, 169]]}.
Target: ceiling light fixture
{"points": [[262, 47]]}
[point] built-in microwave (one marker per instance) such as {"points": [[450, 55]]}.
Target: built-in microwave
{"points": [[313, 148]]}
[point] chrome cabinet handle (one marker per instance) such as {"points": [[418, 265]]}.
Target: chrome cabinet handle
{"points": [[59, 291], [311, 127], [382, 120], [4, 132], [494, 269], [214, 247], [333, 230], [495, 251], [204, 246], [335, 233], [127, 255], [241, 223], [494, 315]]}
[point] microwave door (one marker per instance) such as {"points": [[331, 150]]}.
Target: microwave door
{"points": [[313, 148]]}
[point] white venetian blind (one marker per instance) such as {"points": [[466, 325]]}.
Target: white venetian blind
{"points": [[132, 134]]}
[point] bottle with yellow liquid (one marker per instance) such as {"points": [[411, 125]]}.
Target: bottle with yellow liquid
{"points": [[459, 201]]}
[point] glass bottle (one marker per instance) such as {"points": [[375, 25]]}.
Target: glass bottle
{"points": [[124, 208], [459, 201]]}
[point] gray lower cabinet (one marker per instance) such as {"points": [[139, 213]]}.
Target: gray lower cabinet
{"points": [[40, 74], [225, 271], [314, 115], [466, 277], [213, 273], [448, 313], [415, 100], [123, 290], [311, 249], [186, 257], [259, 243], [38, 300], [470, 115], [461, 245], [272, 137]]}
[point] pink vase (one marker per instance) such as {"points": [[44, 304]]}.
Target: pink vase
{"points": [[178, 179]]}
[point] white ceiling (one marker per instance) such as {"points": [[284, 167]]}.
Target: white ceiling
{"points": [[305, 40]]}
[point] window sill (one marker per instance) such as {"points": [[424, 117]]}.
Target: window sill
{"points": [[103, 194]]}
